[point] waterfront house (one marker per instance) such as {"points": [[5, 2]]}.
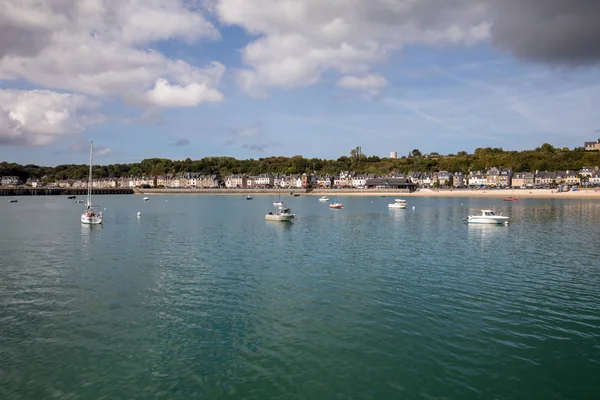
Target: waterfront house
{"points": [[265, 180], [477, 179], [492, 177], [544, 178], [325, 182], [236, 181], [458, 179], [391, 183], [505, 177], [523, 179], [588, 171], [209, 181], [572, 177], [11, 181], [444, 178]]}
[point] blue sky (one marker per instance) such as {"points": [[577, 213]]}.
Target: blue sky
{"points": [[231, 78]]}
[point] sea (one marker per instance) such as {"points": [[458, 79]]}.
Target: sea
{"points": [[201, 298]]}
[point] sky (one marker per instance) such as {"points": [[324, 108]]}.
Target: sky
{"points": [[258, 78]]}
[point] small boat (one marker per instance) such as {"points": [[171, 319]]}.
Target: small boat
{"points": [[324, 198], [336, 205], [283, 214], [248, 197], [92, 214], [296, 195], [398, 203], [71, 197], [13, 201], [278, 203], [487, 217], [146, 199], [79, 201], [511, 198]]}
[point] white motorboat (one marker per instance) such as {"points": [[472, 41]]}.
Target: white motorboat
{"points": [[278, 203], [324, 198], [146, 199], [487, 217], [398, 203], [283, 214], [92, 214]]}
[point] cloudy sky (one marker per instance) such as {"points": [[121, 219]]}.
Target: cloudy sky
{"points": [[254, 78]]}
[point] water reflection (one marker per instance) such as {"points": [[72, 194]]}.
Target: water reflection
{"points": [[89, 232], [397, 214], [486, 233]]}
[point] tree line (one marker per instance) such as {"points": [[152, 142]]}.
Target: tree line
{"points": [[543, 158]]}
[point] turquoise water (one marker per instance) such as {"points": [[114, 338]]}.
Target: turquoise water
{"points": [[203, 298]]}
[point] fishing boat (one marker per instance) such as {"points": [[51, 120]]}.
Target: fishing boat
{"points": [[92, 214], [283, 214], [487, 217], [398, 203], [324, 198]]}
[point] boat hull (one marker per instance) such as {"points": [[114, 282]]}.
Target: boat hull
{"points": [[401, 206], [95, 220], [491, 221], [336, 207], [279, 218]]}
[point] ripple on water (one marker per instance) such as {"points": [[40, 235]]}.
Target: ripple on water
{"points": [[193, 301]]}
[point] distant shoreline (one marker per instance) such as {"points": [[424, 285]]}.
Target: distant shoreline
{"points": [[498, 193]]}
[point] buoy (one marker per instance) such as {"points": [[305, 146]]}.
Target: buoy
{"points": [[139, 214]]}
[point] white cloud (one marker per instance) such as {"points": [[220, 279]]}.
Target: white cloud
{"points": [[166, 95], [40, 117], [372, 83], [99, 47], [300, 40]]}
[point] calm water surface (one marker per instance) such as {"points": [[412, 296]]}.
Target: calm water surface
{"points": [[203, 298]]}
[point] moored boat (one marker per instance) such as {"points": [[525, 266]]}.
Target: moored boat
{"points": [[511, 198], [248, 197], [324, 198], [487, 217], [92, 214], [398, 203], [146, 198], [283, 214], [336, 205]]}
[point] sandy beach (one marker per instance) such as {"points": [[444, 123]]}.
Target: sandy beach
{"points": [[499, 193]]}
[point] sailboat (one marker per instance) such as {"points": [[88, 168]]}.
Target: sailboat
{"points": [[92, 214], [278, 203], [512, 198]]}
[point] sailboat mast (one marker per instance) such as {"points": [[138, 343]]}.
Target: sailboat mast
{"points": [[89, 196]]}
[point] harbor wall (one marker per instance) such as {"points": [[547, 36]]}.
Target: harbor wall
{"points": [[28, 191]]}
